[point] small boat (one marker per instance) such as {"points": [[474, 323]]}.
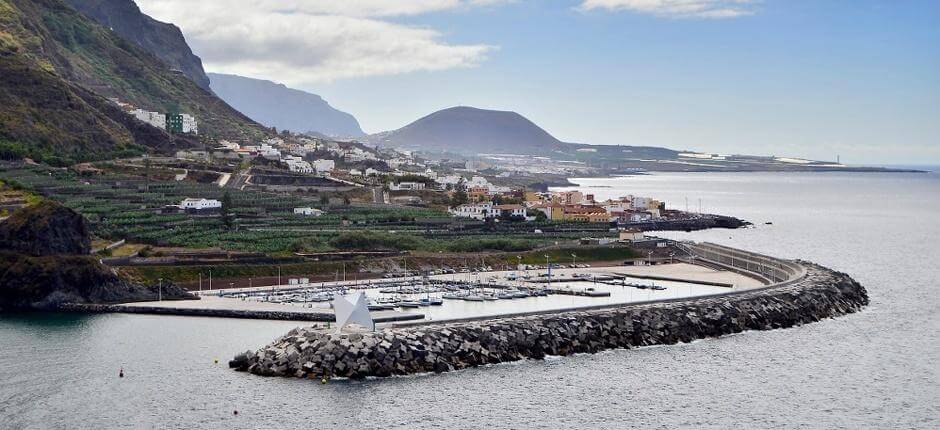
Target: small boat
{"points": [[658, 287], [474, 298], [409, 304]]}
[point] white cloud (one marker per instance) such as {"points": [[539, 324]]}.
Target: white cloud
{"points": [[295, 41], [677, 8]]}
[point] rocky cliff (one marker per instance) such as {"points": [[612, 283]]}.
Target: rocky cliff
{"points": [[57, 69], [161, 39], [44, 264]]}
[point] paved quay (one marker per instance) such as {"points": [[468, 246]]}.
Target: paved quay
{"points": [[212, 306]]}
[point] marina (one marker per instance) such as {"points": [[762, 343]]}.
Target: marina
{"points": [[444, 297]]}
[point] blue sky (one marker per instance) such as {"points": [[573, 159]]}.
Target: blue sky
{"points": [[808, 78]]}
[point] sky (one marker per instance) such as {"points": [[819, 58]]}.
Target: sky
{"points": [[859, 79]]}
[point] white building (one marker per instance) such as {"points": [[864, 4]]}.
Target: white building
{"points": [[155, 119], [406, 186], [297, 165], [515, 211], [631, 235], [189, 124], [324, 166], [307, 212], [191, 204], [267, 151], [477, 211]]}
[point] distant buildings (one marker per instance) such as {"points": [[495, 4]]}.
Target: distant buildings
{"points": [[179, 123]]}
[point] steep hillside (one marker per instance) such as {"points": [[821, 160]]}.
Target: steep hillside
{"points": [[276, 105], [468, 130], [58, 65], [158, 38]]}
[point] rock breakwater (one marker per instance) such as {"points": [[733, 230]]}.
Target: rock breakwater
{"points": [[309, 353]]}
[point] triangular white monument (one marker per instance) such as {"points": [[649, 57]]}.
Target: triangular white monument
{"points": [[353, 308]]}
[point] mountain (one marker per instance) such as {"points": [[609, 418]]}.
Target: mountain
{"points": [[57, 69], [161, 39], [276, 105], [468, 130]]}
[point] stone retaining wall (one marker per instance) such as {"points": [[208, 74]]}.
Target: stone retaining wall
{"points": [[810, 294]]}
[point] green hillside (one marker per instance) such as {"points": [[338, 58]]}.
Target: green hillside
{"points": [[57, 67]]}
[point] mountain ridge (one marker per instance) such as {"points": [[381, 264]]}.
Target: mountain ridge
{"points": [[470, 130], [164, 40], [277, 105]]}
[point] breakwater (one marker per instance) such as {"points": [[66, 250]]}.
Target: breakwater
{"points": [[800, 293]]}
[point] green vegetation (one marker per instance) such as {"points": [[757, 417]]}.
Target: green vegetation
{"points": [[57, 68], [127, 207]]}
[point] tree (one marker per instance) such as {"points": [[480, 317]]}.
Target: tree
{"points": [[228, 218], [459, 198]]}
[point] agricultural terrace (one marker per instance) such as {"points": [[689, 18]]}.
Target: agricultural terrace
{"points": [[120, 206]]}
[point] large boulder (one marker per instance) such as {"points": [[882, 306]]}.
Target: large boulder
{"points": [[46, 228]]}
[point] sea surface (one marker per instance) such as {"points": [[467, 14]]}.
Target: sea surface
{"points": [[879, 368]]}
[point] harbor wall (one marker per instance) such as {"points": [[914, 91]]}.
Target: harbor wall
{"points": [[803, 293]]}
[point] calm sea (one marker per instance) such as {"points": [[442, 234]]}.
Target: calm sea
{"points": [[875, 369]]}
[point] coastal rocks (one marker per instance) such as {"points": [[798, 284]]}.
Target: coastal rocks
{"points": [[311, 353], [43, 265]]}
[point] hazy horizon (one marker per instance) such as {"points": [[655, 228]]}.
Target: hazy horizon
{"points": [[801, 78]]}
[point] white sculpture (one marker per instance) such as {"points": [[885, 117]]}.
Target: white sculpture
{"points": [[353, 308]]}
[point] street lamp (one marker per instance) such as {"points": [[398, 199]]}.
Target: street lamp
{"points": [[549, 264], [160, 291], [649, 258], [574, 260]]}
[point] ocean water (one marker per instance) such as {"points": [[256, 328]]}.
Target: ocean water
{"points": [[875, 369]]}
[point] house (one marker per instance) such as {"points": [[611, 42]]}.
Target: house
{"points": [[324, 166], [631, 235], [308, 212], [478, 194], [477, 211], [514, 211], [407, 186], [297, 165], [199, 205], [568, 197]]}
